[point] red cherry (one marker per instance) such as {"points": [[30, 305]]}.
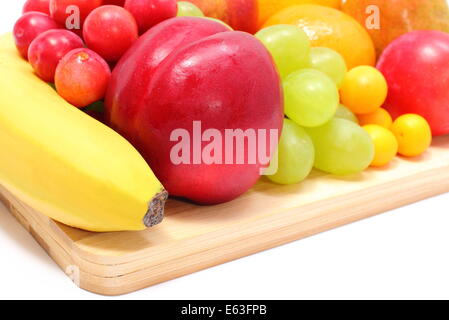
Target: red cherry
{"points": [[28, 27], [48, 49], [110, 31], [59, 11], [148, 13], [120, 3], [37, 5], [82, 77]]}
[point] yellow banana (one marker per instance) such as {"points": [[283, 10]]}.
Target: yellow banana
{"points": [[64, 163]]}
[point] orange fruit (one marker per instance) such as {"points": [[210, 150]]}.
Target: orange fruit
{"points": [[328, 27], [267, 8]]}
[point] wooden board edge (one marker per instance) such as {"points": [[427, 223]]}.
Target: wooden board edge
{"points": [[280, 233], [427, 183]]}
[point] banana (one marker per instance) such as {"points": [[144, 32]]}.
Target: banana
{"points": [[64, 163]]}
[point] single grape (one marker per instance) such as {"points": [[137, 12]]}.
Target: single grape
{"points": [[311, 97], [341, 147], [289, 46], [330, 62], [295, 155], [345, 113], [188, 9]]}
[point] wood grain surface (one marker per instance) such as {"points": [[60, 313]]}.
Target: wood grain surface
{"points": [[194, 237]]}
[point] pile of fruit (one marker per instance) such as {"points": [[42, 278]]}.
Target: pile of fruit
{"points": [[178, 78], [325, 108]]}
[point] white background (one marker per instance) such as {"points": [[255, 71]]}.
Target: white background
{"points": [[400, 254]]}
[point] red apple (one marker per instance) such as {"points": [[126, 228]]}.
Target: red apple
{"points": [[416, 67], [191, 69], [37, 5], [239, 14]]}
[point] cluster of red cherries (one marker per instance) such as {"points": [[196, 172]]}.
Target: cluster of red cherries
{"points": [[75, 43]]}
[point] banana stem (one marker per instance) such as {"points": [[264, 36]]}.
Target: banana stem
{"points": [[155, 213]]}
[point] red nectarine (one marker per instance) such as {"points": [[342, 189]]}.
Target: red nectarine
{"points": [[192, 79], [416, 67]]}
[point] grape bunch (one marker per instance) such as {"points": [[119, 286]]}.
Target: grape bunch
{"points": [[334, 120]]}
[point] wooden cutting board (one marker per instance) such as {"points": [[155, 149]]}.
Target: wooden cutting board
{"points": [[193, 238]]}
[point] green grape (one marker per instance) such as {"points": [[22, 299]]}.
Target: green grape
{"points": [[341, 147], [311, 97], [345, 113], [295, 155], [188, 9], [330, 62], [289, 46]]}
